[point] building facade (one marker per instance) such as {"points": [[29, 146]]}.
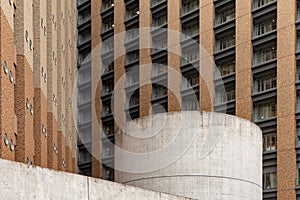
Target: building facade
{"points": [[38, 59], [255, 47]]}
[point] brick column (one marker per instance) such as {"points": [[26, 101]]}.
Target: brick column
{"points": [[286, 122]]}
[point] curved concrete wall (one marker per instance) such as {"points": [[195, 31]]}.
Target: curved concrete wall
{"points": [[212, 155]]}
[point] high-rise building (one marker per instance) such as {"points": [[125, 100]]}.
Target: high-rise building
{"points": [[38, 67], [255, 46]]}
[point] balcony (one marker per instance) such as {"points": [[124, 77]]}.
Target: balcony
{"points": [[264, 57], [264, 32]]}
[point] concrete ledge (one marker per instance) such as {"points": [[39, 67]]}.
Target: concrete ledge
{"points": [[20, 181]]}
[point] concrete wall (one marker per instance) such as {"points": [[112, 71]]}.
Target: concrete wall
{"points": [[193, 154], [19, 181]]}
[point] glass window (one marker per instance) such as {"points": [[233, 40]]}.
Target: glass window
{"points": [[160, 21], [108, 25], [226, 16], [190, 104], [227, 68], [132, 56], [226, 43], [260, 3], [159, 68], [190, 81], [108, 88], [132, 77], [133, 12], [269, 143], [223, 96], [190, 56], [107, 4], [159, 91], [270, 180], [265, 27], [190, 6], [264, 84], [134, 99], [265, 111], [265, 55]]}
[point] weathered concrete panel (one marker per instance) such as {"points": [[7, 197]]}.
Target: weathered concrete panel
{"points": [[20, 181], [193, 154]]}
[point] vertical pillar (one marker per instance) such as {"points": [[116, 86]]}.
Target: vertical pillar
{"points": [[286, 122]]}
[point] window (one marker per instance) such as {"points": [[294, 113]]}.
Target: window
{"points": [[260, 3], [82, 18], [265, 27], [264, 84], [108, 174], [107, 4], [265, 55], [190, 56], [270, 180], [132, 77], [269, 143], [108, 46], [159, 68], [132, 34], [108, 129], [107, 109], [108, 88], [265, 111], [190, 104], [159, 91], [132, 56], [160, 44], [108, 151], [133, 12], [108, 25], [190, 6], [226, 16], [160, 21], [191, 30], [227, 68], [109, 68], [226, 43], [190, 81], [134, 99], [223, 96]]}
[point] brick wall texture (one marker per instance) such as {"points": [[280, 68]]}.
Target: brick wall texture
{"points": [[33, 63]]}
